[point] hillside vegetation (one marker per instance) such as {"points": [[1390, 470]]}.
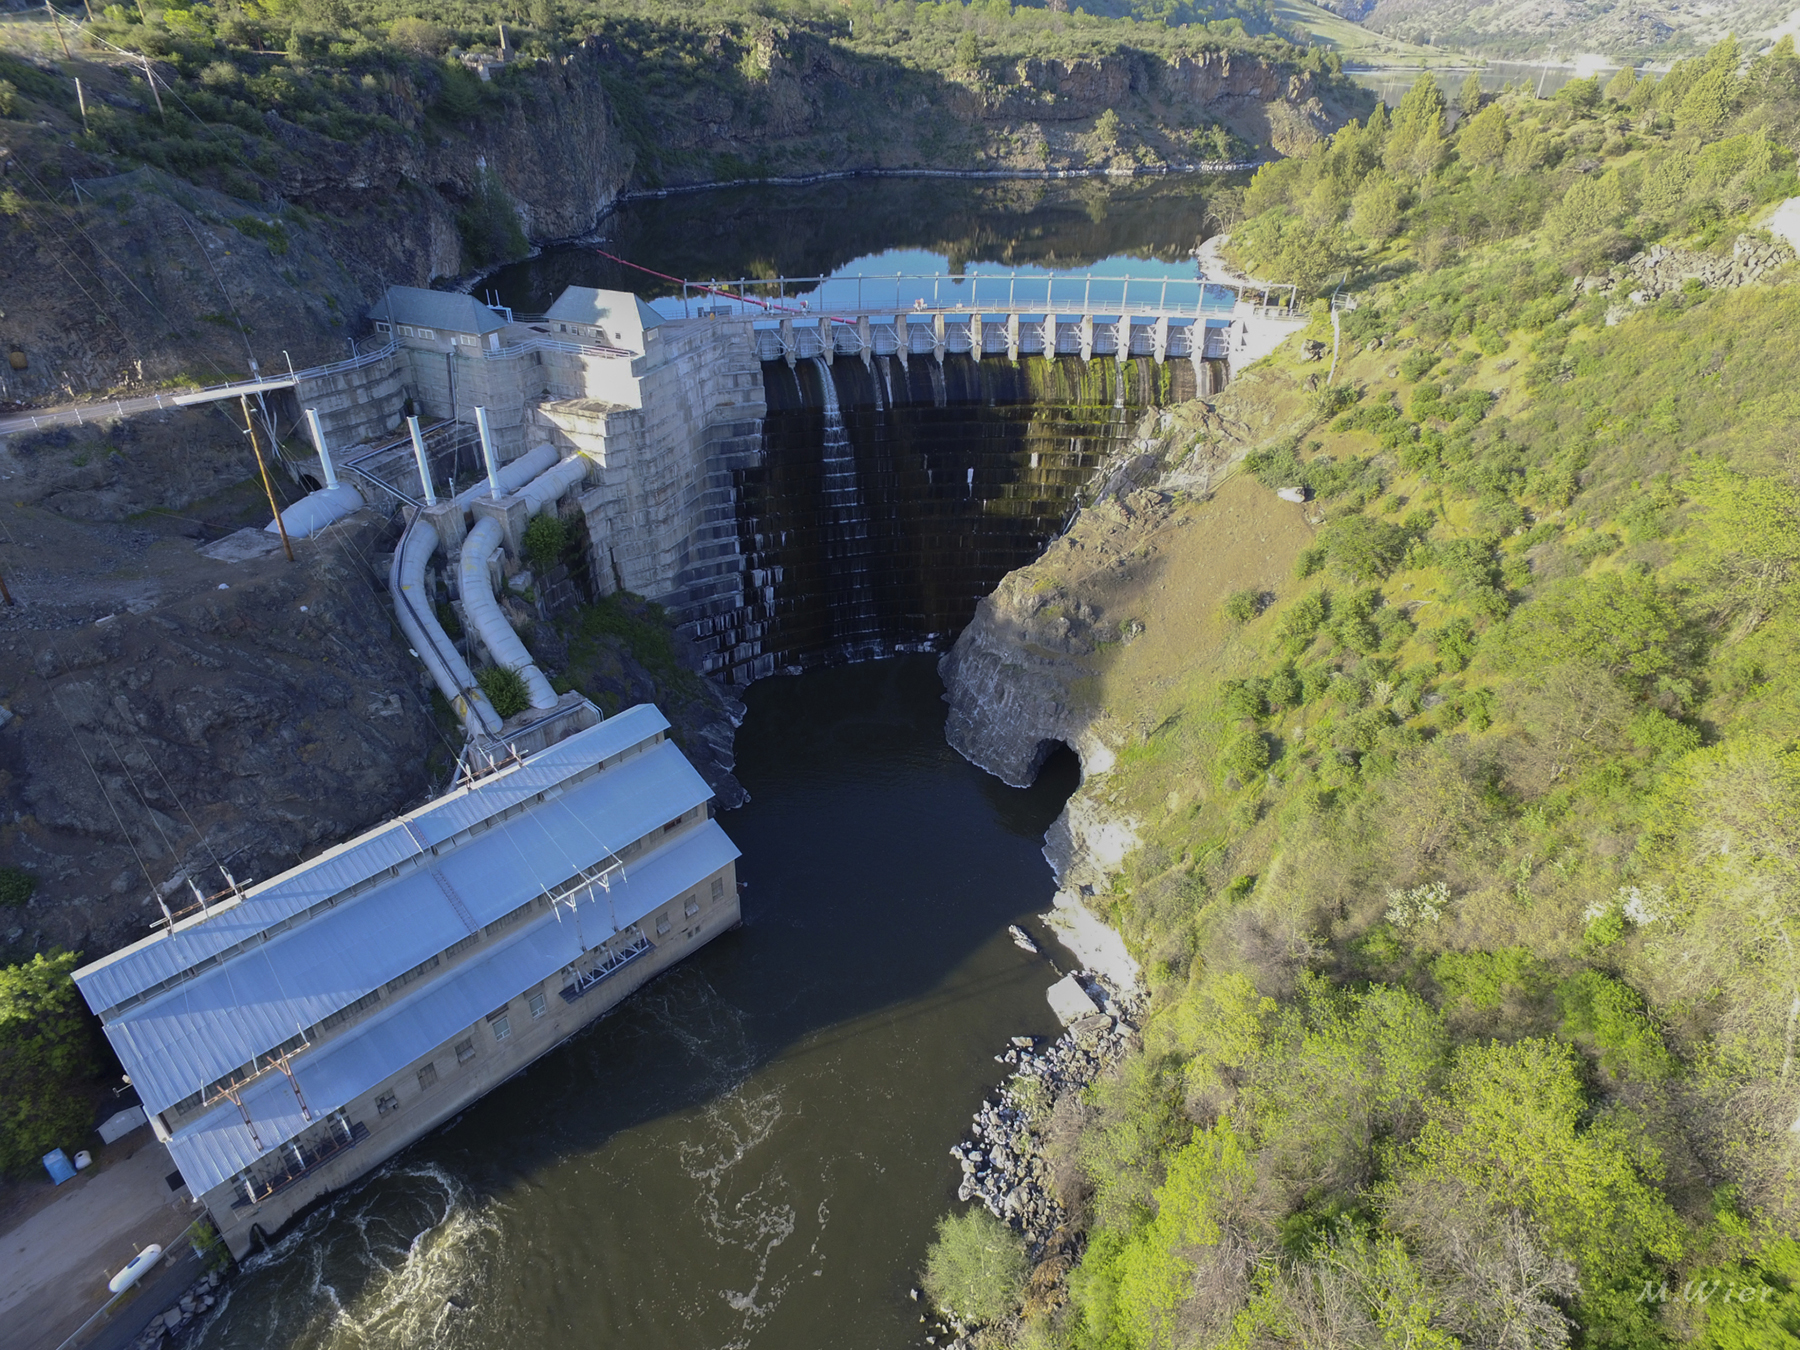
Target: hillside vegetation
{"points": [[351, 69], [1467, 874], [1626, 30]]}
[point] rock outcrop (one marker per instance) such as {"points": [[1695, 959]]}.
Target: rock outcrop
{"points": [[1015, 673], [1662, 270], [196, 715]]}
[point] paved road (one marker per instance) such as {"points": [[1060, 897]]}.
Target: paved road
{"points": [[76, 414], [120, 1327], [54, 1266]]}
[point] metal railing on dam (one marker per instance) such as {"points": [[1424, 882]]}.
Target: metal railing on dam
{"points": [[983, 292]]}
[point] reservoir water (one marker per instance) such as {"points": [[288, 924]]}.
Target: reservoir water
{"points": [[753, 1150]]}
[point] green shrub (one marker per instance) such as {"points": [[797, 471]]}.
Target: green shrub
{"points": [[1243, 606], [1245, 759], [1303, 620], [1416, 363], [545, 539], [976, 1266], [505, 689], [1483, 980], [448, 618], [1613, 1016], [1365, 547], [45, 1054], [269, 232], [16, 887], [9, 98], [1243, 700]]}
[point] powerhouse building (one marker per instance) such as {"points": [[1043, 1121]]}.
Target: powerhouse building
{"points": [[294, 1034]]}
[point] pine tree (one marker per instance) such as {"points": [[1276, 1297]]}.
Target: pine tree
{"points": [[1469, 100]]}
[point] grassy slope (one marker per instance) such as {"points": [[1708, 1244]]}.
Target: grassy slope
{"points": [[1354, 42], [1465, 871]]}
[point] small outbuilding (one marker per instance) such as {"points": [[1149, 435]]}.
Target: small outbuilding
{"points": [[416, 316]]}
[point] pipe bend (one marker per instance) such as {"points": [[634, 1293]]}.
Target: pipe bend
{"points": [[406, 580], [483, 612]]}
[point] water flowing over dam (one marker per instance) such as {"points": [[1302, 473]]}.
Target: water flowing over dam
{"points": [[891, 496]]}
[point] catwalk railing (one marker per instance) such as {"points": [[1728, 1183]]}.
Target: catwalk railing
{"points": [[993, 293]]}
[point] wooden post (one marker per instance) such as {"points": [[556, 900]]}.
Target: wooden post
{"points": [[268, 487], [56, 23]]}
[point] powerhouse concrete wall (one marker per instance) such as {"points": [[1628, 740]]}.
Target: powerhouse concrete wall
{"points": [[423, 1109]]}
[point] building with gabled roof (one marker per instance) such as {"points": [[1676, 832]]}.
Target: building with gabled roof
{"points": [[421, 315], [293, 1034], [617, 318]]}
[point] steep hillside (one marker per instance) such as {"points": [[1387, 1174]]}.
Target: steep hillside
{"points": [[1621, 29], [1451, 813], [283, 170]]}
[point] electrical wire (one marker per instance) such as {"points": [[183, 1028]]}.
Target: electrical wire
{"points": [[180, 805], [129, 842], [143, 801], [76, 226]]}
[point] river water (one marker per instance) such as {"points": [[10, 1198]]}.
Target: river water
{"points": [[753, 1150]]}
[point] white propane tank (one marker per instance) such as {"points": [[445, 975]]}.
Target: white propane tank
{"points": [[135, 1271]]}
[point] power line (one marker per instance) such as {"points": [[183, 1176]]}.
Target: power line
{"points": [[180, 805], [143, 801], [148, 879]]}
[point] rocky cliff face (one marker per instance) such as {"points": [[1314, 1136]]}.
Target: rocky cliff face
{"points": [[168, 714], [552, 144], [144, 277], [1113, 608]]}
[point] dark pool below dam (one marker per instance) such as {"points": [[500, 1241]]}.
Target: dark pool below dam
{"points": [[753, 1150]]}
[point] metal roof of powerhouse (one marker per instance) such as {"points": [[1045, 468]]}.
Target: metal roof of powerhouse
{"points": [[449, 310], [219, 1145], [204, 1028], [162, 956]]}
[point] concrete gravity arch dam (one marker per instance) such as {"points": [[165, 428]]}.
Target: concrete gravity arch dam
{"points": [[800, 471]]}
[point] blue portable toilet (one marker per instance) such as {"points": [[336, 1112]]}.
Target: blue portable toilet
{"points": [[57, 1164]]}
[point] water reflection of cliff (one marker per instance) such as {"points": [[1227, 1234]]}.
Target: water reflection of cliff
{"points": [[818, 228]]}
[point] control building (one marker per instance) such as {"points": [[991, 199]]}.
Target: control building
{"points": [[292, 1035]]}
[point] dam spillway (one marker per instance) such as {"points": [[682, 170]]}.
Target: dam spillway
{"points": [[889, 497]]}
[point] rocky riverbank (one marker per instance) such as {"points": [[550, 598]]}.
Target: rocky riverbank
{"points": [[181, 1316], [1005, 1157]]}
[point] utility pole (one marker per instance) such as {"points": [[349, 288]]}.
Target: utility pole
{"points": [[56, 23], [268, 487]]}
